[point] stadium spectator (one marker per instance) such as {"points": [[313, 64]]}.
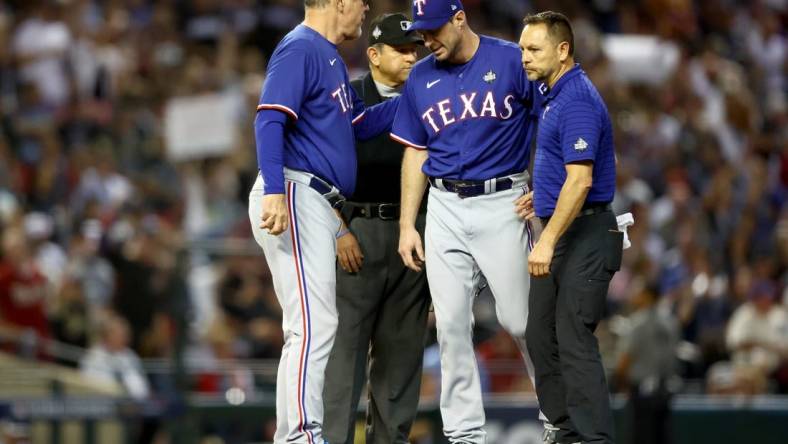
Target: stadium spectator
{"points": [[757, 334], [24, 293], [647, 366], [110, 359]]}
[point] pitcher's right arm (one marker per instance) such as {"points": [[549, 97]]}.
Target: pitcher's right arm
{"points": [[414, 182]]}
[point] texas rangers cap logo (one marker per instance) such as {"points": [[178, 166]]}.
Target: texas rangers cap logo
{"points": [[377, 32], [432, 14], [419, 5]]}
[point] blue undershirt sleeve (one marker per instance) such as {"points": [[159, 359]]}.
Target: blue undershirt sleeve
{"points": [[269, 131]]}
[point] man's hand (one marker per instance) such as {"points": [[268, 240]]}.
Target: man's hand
{"points": [[349, 253], [410, 248], [524, 206], [274, 216], [540, 258]]}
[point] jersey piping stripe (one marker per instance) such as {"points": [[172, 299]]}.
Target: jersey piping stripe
{"points": [[282, 108], [528, 229], [359, 117], [305, 321], [407, 142]]}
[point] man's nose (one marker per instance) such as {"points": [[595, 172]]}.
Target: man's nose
{"points": [[428, 40]]}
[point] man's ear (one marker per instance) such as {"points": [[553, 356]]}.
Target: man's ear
{"points": [[563, 51], [459, 19], [373, 55]]}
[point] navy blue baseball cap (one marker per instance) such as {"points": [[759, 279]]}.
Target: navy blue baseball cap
{"points": [[432, 14]]}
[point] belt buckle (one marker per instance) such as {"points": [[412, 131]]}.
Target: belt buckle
{"points": [[336, 202], [383, 206]]}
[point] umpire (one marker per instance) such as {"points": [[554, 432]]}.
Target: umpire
{"points": [[580, 247], [382, 305]]}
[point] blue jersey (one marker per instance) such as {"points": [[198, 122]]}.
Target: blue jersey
{"points": [[307, 80], [574, 126], [474, 119]]}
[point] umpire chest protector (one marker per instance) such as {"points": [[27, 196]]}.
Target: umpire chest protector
{"points": [[379, 159]]}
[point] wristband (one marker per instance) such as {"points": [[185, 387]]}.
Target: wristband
{"points": [[342, 232]]}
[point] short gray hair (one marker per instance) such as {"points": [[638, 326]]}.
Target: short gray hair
{"points": [[315, 3]]}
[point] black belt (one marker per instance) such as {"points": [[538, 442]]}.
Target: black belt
{"points": [[472, 188], [328, 191], [369, 210], [587, 210], [594, 208]]}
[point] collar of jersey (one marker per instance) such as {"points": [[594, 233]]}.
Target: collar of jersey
{"points": [[452, 67], [317, 34], [552, 92]]}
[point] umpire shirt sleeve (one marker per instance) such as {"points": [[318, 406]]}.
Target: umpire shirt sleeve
{"points": [[580, 129]]}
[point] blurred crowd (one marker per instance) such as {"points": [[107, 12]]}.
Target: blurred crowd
{"points": [[106, 229]]}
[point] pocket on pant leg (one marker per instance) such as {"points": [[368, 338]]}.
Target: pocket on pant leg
{"points": [[614, 243]]}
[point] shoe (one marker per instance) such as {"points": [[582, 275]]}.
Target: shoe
{"points": [[548, 436]]}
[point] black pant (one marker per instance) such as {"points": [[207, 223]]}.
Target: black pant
{"points": [[564, 310], [382, 316]]}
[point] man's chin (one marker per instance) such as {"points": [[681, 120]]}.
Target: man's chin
{"points": [[356, 34]]}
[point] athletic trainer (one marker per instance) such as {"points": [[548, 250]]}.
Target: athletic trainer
{"points": [[579, 249]]}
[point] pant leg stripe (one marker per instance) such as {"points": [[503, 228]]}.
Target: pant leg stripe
{"points": [[530, 234], [305, 322], [308, 316]]}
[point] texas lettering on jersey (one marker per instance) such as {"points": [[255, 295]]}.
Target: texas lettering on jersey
{"points": [[442, 114], [342, 97]]}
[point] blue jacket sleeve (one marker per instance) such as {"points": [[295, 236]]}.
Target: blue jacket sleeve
{"points": [[375, 120], [269, 131]]}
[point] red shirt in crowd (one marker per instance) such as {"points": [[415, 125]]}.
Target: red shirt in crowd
{"points": [[23, 291]]}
